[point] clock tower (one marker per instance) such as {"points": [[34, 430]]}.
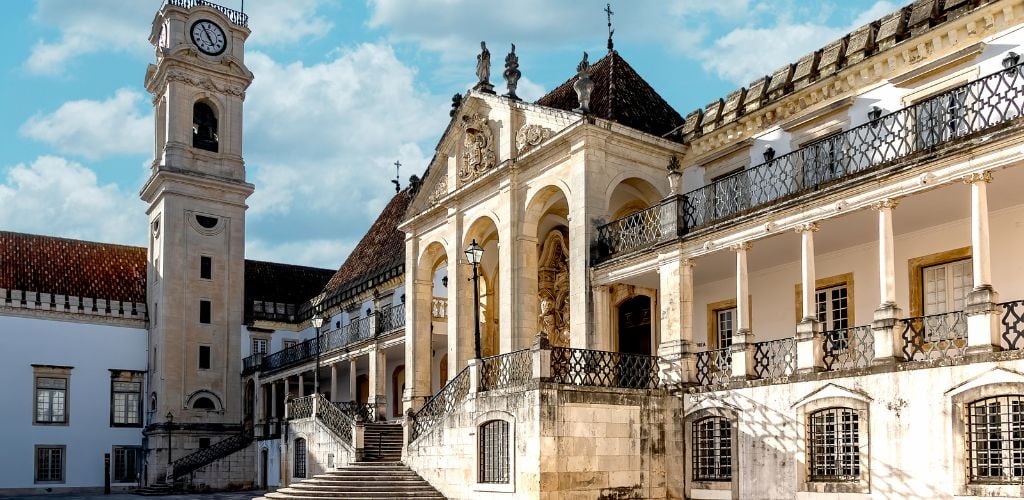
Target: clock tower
{"points": [[196, 194]]}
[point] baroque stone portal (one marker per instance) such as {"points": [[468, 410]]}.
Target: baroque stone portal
{"points": [[553, 288], [478, 147]]}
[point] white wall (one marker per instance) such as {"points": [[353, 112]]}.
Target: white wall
{"points": [[92, 350]]}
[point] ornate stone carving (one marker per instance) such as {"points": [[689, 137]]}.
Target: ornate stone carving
{"points": [[888, 203], [530, 136], [553, 288], [807, 227], [204, 83], [512, 73], [440, 190], [985, 176], [583, 86], [478, 147]]}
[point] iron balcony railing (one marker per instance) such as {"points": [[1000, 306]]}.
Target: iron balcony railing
{"points": [[848, 348], [934, 336], [513, 369], [359, 412], [385, 321], [252, 363], [1012, 325], [587, 367], [976, 107], [775, 358], [236, 17], [714, 366]]}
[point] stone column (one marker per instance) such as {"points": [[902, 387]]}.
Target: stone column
{"points": [[527, 302], [378, 381], [507, 262], [273, 399], [675, 297], [809, 348], [602, 318], [419, 291], [460, 298], [286, 391], [334, 382], [981, 305], [888, 344], [352, 383], [302, 386], [743, 338]]}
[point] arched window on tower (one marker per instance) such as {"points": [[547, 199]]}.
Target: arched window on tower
{"points": [[204, 127]]}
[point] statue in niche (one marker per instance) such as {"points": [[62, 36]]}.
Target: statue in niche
{"points": [[478, 147], [553, 288]]}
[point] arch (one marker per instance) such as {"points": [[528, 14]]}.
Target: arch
{"points": [[494, 457], [630, 195], [204, 126], [481, 229], [541, 203], [203, 403], [430, 259], [204, 400]]}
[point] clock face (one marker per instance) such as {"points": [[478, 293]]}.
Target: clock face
{"points": [[208, 37]]}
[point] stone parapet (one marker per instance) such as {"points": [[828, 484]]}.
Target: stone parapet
{"points": [[71, 304]]}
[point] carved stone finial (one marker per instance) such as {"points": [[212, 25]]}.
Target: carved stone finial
{"points": [[512, 73], [673, 164], [583, 86], [483, 70], [456, 102], [675, 177]]}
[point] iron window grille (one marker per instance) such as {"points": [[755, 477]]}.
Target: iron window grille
{"points": [[834, 438], [995, 440], [126, 403], [712, 449], [127, 461], [494, 453], [50, 464], [51, 396], [300, 458]]}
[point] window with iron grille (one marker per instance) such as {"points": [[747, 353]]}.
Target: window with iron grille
{"points": [[995, 439], [494, 452], [126, 403], [833, 436], [712, 449], [300, 458], [49, 464], [126, 464]]}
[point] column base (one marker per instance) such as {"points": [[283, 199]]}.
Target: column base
{"points": [[982, 312], [888, 342], [742, 359], [810, 346]]}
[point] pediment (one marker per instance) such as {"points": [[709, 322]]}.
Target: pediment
{"points": [[996, 375], [832, 391]]}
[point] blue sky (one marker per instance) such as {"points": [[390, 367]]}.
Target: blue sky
{"points": [[343, 89]]}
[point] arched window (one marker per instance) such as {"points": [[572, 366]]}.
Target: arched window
{"points": [[995, 439], [299, 463], [494, 452], [712, 449], [203, 403], [833, 441], [204, 127]]}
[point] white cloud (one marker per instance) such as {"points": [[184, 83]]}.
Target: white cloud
{"points": [[55, 196], [318, 253], [747, 53], [275, 22], [95, 129]]}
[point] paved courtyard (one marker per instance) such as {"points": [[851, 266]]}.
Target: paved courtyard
{"points": [[238, 495]]}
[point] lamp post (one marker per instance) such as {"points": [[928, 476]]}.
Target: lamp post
{"points": [[170, 427], [474, 253], [317, 321]]}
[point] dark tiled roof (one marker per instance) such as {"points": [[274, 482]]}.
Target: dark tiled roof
{"points": [[621, 95], [379, 255], [285, 283], [46, 264]]}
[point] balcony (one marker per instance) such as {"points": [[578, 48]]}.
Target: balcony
{"points": [[236, 17], [383, 322], [977, 107]]}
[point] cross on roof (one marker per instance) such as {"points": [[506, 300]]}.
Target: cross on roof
{"points": [[608, 10], [397, 180]]}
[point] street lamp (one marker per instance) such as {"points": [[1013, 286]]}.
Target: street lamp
{"points": [[317, 321], [474, 253], [170, 426]]}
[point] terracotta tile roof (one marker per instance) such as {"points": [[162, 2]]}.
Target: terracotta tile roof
{"points": [[379, 255], [621, 95], [46, 264], [285, 283]]}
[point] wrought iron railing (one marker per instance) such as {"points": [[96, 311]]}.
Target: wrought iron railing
{"points": [[236, 17], [603, 368], [438, 308], [848, 348], [252, 363], [441, 405], [334, 419], [390, 318], [289, 356], [970, 109], [714, 366], [360, 412], [513, 369], [206, 456], [300, 407], [775, 358], [1012, 323], [935, 336]]}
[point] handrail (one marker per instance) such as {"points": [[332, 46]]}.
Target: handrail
{"points": [[440, 405], [511, 369], [205, 456]]}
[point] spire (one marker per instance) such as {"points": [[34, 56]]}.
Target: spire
{"points": [[608, 11]]}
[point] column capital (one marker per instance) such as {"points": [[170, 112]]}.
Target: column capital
{"points": [[688, 262], [740, 246], [807, 227], [985, 176], [888, 203]]}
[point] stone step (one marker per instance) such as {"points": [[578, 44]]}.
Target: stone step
{"points": [[350, 496], [390, 480]]}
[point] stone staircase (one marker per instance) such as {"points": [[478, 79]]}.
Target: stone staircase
{"points": [[360, 481], [382, 442]]}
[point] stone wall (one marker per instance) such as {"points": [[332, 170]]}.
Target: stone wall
{"points": [[324, 450], [233, 472]]}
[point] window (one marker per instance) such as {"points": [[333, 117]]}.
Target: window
{"points": [[259, 346], [204, 127], [494, 453], [995, 439], [946, 286], [712, 449], [725, 325], [205, 267], [127, 464], [204, 357], [731, 193], [49, 464], [823, 159], [833, 439], [204, 403], [288, 343], [941, 118], [50, 394], [126, 400], [300, 458], [204, 312]]}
